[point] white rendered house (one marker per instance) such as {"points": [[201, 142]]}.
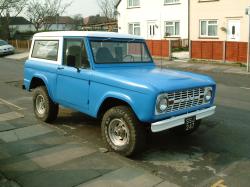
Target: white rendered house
{"points": [[154, 20]]}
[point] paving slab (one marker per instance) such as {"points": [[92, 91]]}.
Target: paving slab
{"points": [[125, 176], [6, 127], [97, 161], [23, 133], [4, 108], [15, 167], [58, 178], [167, 184], [3, 154], [28, 120], [59, 154], [4, 182], [32, 144], [10, 116], [72, 173]]}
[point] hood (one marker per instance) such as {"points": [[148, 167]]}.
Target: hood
{"points": [[6, 46], [161, 80]]}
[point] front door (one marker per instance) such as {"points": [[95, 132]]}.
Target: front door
{"points": [[233, 30], [152, 30], [73, 76]]}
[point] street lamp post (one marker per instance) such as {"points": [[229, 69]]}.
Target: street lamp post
{"points": [[248, 52]]}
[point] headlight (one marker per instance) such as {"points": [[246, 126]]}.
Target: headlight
{"points": [[208, 94], [161, 103]]}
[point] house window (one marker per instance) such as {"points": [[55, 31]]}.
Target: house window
{"points": [[133, 3], [172, 28], [134, 28], [171, 1], [208, 28]]}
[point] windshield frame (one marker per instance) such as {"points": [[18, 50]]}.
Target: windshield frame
{"points": [[125, 40]]}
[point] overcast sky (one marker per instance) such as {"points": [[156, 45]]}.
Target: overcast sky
{"points": [[83, 7]]}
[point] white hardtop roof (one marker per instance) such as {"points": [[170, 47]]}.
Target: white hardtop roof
{"points": [[86, 33]]}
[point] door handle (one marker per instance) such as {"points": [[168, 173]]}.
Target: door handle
{"points": [[60, 68]]}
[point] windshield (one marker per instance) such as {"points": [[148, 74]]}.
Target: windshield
{"points": [[2, 42], [109, 52]]}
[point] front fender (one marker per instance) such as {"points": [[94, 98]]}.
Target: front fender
{"points": [[115, 95], [141, 104]]}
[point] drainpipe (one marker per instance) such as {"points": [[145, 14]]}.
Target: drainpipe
{"points": [[248, 51], [189, 41], [248, 55]]}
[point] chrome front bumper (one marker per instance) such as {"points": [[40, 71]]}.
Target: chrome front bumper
{"points": [[180, 120]]}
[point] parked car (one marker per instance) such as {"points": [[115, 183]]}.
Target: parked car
{"points": [[112, 77], [6, 48]]}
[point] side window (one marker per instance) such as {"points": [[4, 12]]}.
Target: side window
{"points": [[45, 49], [75, 54]]}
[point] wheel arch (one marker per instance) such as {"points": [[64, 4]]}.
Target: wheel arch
{"points": [[40, 80], [36, 81], [112, 101]]}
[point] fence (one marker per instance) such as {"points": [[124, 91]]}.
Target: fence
{"points": [[219, 50], [179, 43], [159, 48], [20, 44]]}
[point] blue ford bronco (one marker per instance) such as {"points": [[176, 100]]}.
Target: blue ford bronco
{"points": [[112, 77]]}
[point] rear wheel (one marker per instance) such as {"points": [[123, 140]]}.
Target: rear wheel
{"points": [[44, 108], [122, 132]]}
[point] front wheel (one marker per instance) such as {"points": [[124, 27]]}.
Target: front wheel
{"points": [[44, 108], [122, 132]]}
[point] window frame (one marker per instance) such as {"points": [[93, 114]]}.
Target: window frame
{"points": [[44, 40], [133, 6], [83, 43], [174, 2], [207, 25], [125, 41], [173, 25], [133, 23]]}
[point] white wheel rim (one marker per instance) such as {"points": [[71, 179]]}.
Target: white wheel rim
{"points": [[40, 104], [118, 132]]}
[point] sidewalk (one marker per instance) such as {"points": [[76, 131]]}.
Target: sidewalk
{"points": [[202, 67], [33, 153], [19, 55]]}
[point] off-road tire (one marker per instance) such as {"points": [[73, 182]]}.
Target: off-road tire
{"points": [[51, 108], [137, 132]]}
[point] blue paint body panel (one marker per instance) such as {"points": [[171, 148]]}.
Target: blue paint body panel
{"points": [[136, 84]]}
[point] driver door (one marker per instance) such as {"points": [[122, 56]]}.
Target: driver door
{"points": [[73, 75]]}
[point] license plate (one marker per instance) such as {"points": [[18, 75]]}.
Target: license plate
{"points": [[190, 123]]}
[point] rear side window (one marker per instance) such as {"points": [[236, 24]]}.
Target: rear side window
{"points": [[45, 49]]}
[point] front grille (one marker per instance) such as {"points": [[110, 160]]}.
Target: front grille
{"points": [[185, 99]]}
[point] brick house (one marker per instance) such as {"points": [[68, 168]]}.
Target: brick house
{"points": [[154, 20], [219, 29]]}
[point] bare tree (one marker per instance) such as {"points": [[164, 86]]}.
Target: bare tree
{"points": [[9, 8], [78, 22], [43, 14], [107, 8]]}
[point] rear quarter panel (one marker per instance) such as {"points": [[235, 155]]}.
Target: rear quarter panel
{"points": [[44, 71]]}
